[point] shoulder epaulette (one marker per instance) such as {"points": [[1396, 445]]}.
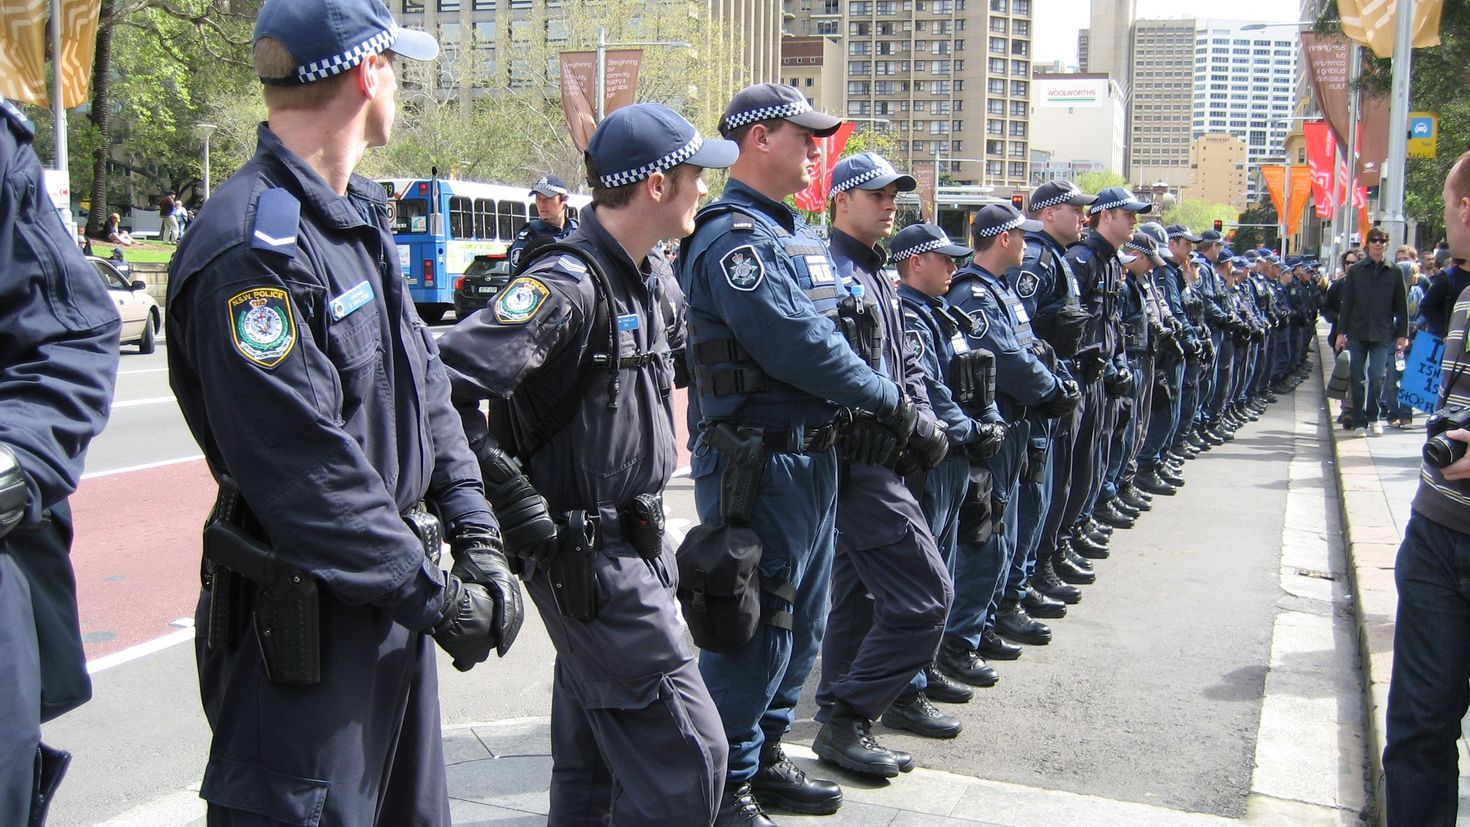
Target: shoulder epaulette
{"points": [[277, 219]]}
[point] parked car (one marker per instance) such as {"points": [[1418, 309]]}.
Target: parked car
{"points": [[141, 318], [482, 281]]}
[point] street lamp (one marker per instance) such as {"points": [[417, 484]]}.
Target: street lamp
{"points": [[602, 44], [206, 130]]}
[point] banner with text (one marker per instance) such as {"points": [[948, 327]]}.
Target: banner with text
{"points": [[579, 88], [1419, 386]]}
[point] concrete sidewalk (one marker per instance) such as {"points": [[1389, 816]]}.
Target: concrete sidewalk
{"points": [[1377, 479]]}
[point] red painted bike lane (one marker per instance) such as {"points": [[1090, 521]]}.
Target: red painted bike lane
{"points": [[137, 544]]}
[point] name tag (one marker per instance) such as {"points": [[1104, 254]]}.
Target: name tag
{"points": [[628, 322], [820, 269], [1021, 315], [345, 304], [959, 344]]}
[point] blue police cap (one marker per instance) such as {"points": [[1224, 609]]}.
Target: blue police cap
{"points": [[1053, 193], [1250, 256], [923, 238], [1238, 261], [1119, 198], [994, 219], [1210, 237], [1156, 232], [769, 101], [1181, 231], [329, 37], [636, 141], [1142, 244], [869, 171], [550, 185]]}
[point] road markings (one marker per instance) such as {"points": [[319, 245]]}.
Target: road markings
{"points": [[144, 467], [136, 403], [142, 650], [182, 807], [141, 370]]}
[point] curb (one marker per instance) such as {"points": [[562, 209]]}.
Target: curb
{"points": [[1371, 542]]}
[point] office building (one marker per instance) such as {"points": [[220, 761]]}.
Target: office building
{"points": [[1245, 84], [1109, 41], [815, 66], [1162, 103], [1078, 118], [950, 79], [1220, 176]]}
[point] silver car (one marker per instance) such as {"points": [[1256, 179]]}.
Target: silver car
{"points": [[141, 318]]}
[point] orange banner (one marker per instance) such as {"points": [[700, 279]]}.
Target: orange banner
{"points": [[1371, 23], [79, 21], [814, 197], [1301, 186], [23, 51]]}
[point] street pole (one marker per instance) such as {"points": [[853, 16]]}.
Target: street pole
{"points": [[1391, 188], [58, 112], [208, 130], [1350, 214], [1285, 202], [601, 71]]}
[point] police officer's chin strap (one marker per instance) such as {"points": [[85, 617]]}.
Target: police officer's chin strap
{"points": [[14, 492]]}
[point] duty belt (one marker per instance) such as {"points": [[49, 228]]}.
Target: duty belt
{"points": [[638, 524], [815, 440]]}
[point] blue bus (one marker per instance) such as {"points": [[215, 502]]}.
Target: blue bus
{"points": [[441, 225]]}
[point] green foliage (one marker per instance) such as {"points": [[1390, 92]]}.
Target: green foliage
{"points": [[1248, 237], [1095, 182], [1198, 215]]}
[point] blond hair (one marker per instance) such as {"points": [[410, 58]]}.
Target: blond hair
{"points": [[273, 60]]}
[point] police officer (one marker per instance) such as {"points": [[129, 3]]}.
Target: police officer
{"points": [[322, 408], [1165, 420], [1000, 325], [769, 363], [58, 362], [891, 589], [1215, 381], [553, 220], [635, 736], [1048, 290], [960, 384]]}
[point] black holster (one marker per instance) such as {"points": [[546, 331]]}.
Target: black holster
{"points": [[972, 375], [247, 581], [862, 328], [642, 526], [51, 764], [740, 482], [573, 570]]}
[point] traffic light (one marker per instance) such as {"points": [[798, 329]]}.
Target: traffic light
{"points": [[1019, 202], [1219, 225]]}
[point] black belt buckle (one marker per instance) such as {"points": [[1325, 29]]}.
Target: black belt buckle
{"points": [[822, 438], [642, 525]]}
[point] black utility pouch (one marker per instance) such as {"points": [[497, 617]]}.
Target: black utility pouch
{"points": [[288, 625], [573, 571], [643, 526]]}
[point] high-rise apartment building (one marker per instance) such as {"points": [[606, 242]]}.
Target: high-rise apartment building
{"points": [[1109, 40], [1245, 84], [816, 66], [1162, 102], [950, 79]]}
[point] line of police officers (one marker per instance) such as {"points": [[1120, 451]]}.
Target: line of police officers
{"points": [[920, 470]]}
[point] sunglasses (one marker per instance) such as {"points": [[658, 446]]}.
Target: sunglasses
{"points": [[1377, 241]]}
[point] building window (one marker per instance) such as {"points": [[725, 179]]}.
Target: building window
{"points": [[995, 127], [449, 5], [997, 66], [995, 147], [858, 29], [998, 6], [859, 67], [858, 108], [1020, 89], [1018, 129], [1018, 149], [1020, 69], [857, 88], [1018, 168], [995, 86], [999, 25], [997, 45]]}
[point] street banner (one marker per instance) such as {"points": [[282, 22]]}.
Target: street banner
{"points": [[1301, 187], [1329, 58], [578, 89], [814, 197], [79, 21], [1321, 157], [23, 51], [927, 174], [1419, 386], [1371, 23]]}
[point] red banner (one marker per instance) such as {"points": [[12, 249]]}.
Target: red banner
{"points": [[1321, 156], [814, 197]]}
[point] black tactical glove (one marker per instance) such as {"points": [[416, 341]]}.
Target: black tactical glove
{"points": [[479, 558], [926, 448], [468, 626], [902, 419], [866, 441], [989, 436], [1062, 401], [1091, 365], [1118, 382], [14, 493], [525, 521]]}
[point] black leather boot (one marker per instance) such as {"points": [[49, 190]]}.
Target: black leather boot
{"points": [[964, 663], [921, 717], [1012, 621], [738, 808], [1048, 583], [781, 784], [846, 740], [943, 688], [1039, 605]]}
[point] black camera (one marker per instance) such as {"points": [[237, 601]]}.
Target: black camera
{"points": [[1440, 450]]}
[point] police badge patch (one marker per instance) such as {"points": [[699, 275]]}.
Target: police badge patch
{"points": [[915, 341], [1026, 284], [743, 268], [261, 325], [520, 301], [979, 324]]}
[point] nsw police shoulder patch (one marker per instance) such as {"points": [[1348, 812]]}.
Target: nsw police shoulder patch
{"points": [[262, 325], [1026, 284], [521, 300], [743, 268]]}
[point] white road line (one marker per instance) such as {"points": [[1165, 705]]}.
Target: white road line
{"points": [[144, 467], [141, 370], [134, 403], [142, 650], [178, 808]]}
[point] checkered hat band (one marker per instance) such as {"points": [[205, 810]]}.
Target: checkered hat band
{"points": [[1006, 227], [1139, 248], [1181, 234], [337, 64], [862, 179], [673, 159], [766, 113], [543, 184], [1038, 206], [1112, 205], [918, 249]]}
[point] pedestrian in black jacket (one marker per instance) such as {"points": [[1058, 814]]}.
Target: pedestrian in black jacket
{"points": [[1373, 319]]}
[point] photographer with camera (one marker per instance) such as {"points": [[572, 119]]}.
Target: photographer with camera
{"points": [[1431, 661]]}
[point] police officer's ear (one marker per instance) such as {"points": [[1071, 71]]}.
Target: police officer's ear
{"points": [[366, 74], [659, 186]]}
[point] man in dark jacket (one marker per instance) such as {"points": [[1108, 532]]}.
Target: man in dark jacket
{"points": [[1373, 319]]}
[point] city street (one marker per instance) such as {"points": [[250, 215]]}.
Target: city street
{"points": [[1211, 671]]}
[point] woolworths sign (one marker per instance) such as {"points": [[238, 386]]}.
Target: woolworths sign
{"points": [[1070, 94]]}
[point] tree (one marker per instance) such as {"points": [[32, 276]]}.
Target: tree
{"points": [[1095, 182], [1251, 237], [1198, 215]]}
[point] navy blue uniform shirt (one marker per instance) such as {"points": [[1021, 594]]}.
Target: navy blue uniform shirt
{"points": [[529, 346], [1002, 327], [58, 330], [534, 231], [936, 338], [1099, 278], [304, 373], [865, 264]]}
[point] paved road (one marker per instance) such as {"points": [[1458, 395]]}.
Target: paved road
{"points": [[1207, 672]]}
